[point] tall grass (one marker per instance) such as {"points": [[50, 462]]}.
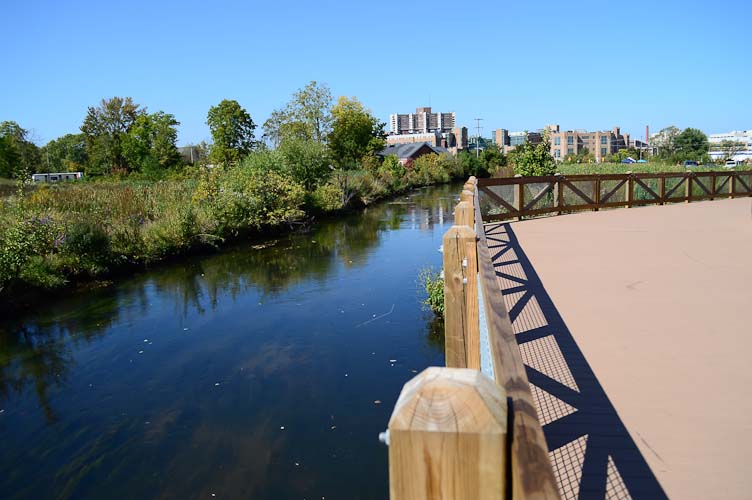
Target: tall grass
{"points": [[55, 234]]}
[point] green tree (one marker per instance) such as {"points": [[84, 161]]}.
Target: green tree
{"points": [[533, 159], [232, 132], [105, 127], [18, 155], [355, 133], [306, 161], [150, 144], [306, 116], [9, 157], [692, 144], [65, 154]]}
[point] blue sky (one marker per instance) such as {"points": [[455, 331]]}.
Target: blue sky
{"points": [[518, 65]]}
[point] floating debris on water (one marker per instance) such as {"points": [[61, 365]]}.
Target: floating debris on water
{"points": [[392, 360], [146, 340], [333, 427], [377, 402], [282, 428], [216, 384], [140, 352], [185, 329]]}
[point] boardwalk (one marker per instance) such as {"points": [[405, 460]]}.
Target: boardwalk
{"points": [[635, 329]]}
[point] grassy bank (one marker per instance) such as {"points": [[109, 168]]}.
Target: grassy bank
{"points": [[55, 235], [622, 168]]}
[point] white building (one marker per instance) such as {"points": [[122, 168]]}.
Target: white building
{"points": [[744, 153], [57, 176], [744, 136]]}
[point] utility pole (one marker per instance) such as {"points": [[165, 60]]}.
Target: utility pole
{"points": [[477, 136]]}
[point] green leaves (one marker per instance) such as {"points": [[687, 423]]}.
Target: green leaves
{"points": [[355, 133], [232, 132], [533, 159]]}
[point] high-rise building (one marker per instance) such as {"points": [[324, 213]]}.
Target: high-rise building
{"points": [[421, 122]]}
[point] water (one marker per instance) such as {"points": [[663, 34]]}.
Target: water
{"points": [[261, 372]]}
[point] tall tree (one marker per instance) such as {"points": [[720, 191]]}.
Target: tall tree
{"points": [[692, 144], [664, 141], [18, 155], [306, 116], [355, 132], [232, 132], [65, 154], [105, 127], [150, 145]]}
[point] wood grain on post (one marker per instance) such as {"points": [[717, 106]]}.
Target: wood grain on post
{"points": [[467, 195], [688, 187], [629, 189], [732, 184], [464, 214], [447, 438], [461, 327]]}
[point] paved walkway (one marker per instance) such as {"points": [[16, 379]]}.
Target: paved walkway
{"points": [[636, 329]]}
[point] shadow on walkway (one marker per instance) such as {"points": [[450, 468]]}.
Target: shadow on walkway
{"points": [[591, 451]]}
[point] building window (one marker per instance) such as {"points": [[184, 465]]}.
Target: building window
{"points": [[604, 140], [570, 140], [557, 141], [557, 153], [570, 151], [603, 151]]}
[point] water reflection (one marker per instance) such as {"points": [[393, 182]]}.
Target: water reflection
{"points": [[183, 377]]}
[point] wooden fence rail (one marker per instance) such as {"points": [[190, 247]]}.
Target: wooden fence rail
{"points": [[518, 197], [455, 432]]}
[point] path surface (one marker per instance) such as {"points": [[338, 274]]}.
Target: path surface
{"points": [[636, 327]]}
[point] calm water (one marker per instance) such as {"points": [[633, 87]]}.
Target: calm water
{"points": [[256, 373]]}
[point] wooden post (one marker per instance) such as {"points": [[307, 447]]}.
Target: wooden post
{"points": [[461, 327], [519, 196], [464, 214], [597, 194], [663, 190], [558, 194], [629, 189], [447, 438], [732, 184], [712, 186], [688, 187], [467, 195]]}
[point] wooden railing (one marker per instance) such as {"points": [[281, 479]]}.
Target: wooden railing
{"points": [[470, 430], [518, 197]]}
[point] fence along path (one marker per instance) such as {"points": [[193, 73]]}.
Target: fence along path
{"points": [[523, 197], [456, 432]]}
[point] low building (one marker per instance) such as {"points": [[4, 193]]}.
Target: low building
{"points": [[599, 143], [507, 141], [57, 176], [407, 153], [433, 138]]}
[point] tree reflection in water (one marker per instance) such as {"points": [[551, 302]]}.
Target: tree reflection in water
{"points": [[38, 354]]}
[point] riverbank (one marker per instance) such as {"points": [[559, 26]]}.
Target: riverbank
{"points": [[60, 236]]}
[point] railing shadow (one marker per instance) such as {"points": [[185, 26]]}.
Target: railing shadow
{"points": [[591, 450]]}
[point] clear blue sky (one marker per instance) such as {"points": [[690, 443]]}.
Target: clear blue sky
{"points": [[517, 64]]}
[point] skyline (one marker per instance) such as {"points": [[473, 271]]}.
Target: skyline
{"points": [[534, 64]]}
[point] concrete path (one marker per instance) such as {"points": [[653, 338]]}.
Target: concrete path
{"points": [[636, 327]]}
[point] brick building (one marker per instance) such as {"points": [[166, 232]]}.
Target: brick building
{"points": [[599, 143]]}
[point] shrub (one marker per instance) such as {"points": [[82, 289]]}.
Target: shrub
{"points": [[243, 198], [327, 198], [433, 286]]}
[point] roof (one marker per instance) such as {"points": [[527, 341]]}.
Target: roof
{"points": [[408, 150]]}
